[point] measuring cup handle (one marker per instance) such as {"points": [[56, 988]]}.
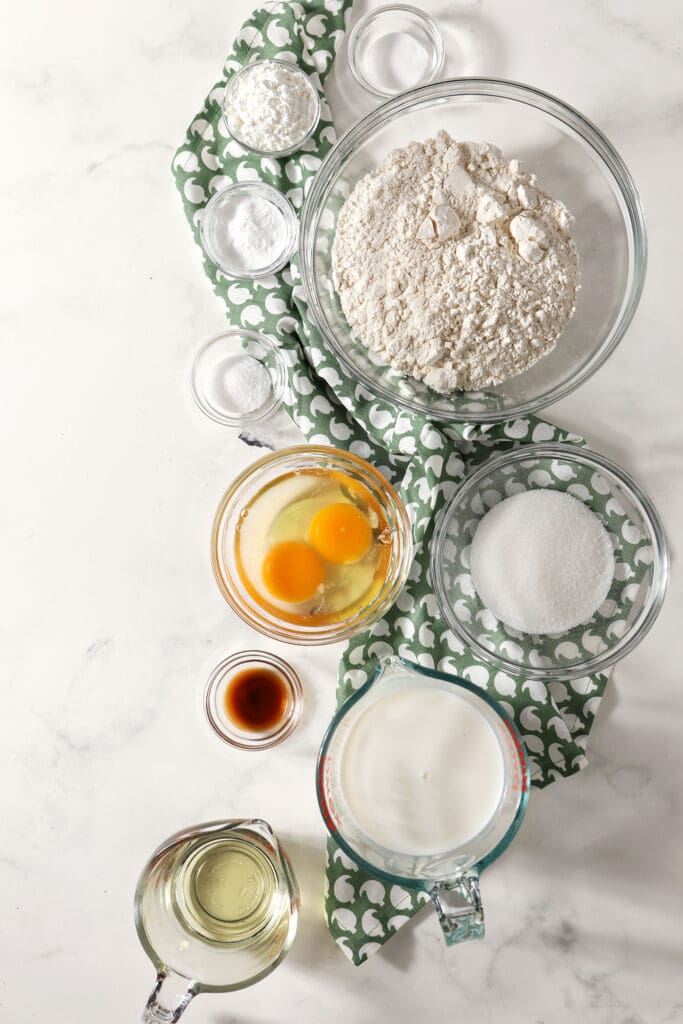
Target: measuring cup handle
{"points": [[458, 907], [171, 996]]}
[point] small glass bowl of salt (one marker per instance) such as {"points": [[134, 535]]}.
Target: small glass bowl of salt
{"points": [[238, 378], [249, 230], [395, 48]]}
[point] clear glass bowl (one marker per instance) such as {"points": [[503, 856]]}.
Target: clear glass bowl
{"points": [[216, 217], [242, 491], [229, 124], [574, 162], [214, 700], [641, 557], [382, 26], [212, 364]]}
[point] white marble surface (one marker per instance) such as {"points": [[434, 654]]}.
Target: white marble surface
{"points": [[110, 616]]}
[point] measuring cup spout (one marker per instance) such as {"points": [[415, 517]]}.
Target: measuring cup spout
{"points": [[384, 668], [262, 829], [458, 907], [171, 996]]}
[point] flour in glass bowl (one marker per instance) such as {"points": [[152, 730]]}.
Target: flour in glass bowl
{"points": [[452, 265]]}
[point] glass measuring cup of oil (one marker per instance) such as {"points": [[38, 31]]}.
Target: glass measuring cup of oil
{"points": [[423, 781], [216, 909]]}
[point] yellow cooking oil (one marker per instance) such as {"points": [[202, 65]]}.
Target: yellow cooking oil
{"points": [[227, 891]]}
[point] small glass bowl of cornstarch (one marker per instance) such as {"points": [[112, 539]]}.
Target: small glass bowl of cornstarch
{"points": [[550, 563], [238, 378], [271, 107], [249, 230], [395, 48]]}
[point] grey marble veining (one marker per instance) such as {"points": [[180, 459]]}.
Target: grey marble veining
{"points": [[111, 620]]}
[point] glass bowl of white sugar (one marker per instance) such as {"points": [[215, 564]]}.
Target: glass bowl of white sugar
{"points": [[394, 48], [550, 563], [238, 378], [271, 107], [249, 230]]}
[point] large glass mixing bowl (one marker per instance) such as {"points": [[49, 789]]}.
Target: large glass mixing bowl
{"points": [[574, 162]]}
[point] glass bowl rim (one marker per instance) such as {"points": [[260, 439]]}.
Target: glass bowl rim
{"points": [[279, 200], [660, 562], [242, 660], [278, 386], [293, 66], [366, 22], [487, 88], [331, 632]]}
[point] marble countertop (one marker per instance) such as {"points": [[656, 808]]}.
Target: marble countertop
{"points": [[110, 616]]}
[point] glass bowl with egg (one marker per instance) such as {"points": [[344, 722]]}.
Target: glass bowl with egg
{"points": [[588, 572], [573, 161], [311, 545]]}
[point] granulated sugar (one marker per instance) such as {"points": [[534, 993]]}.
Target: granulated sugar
{"points": [[542, 562]]}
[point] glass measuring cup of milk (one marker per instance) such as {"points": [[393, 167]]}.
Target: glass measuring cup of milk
{"points": [[423, 781], [216, 909]]}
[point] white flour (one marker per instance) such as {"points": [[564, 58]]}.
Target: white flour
{"points": [[453, 266], [271, 107]]}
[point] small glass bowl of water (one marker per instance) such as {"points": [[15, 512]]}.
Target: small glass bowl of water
{"points": [[249, 230], [238, 378], [395, 48]]}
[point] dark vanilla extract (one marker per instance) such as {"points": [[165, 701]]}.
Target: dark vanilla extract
{"points": [[256, 699]]}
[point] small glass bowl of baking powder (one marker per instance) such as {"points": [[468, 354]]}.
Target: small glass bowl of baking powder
{"points": [[249, 230], [271, 107], [238, 378], [395, 48]]}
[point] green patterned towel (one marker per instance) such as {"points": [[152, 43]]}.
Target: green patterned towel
{"points": [[425, 462]]}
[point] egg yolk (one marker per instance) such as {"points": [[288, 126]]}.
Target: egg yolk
{"points": [[292, 571], [340, 533]]}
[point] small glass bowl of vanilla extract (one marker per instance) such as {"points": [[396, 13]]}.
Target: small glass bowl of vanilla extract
{"points": [[253, 700]]}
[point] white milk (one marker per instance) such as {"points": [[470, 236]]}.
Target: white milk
{"points": [[421, 771]]}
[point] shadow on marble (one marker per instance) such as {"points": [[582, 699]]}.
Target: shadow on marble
{"points": [[308, 714], [401, 949], [314, 946], [620, 808], [608, 705], [474, 45], [274, 433]]}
